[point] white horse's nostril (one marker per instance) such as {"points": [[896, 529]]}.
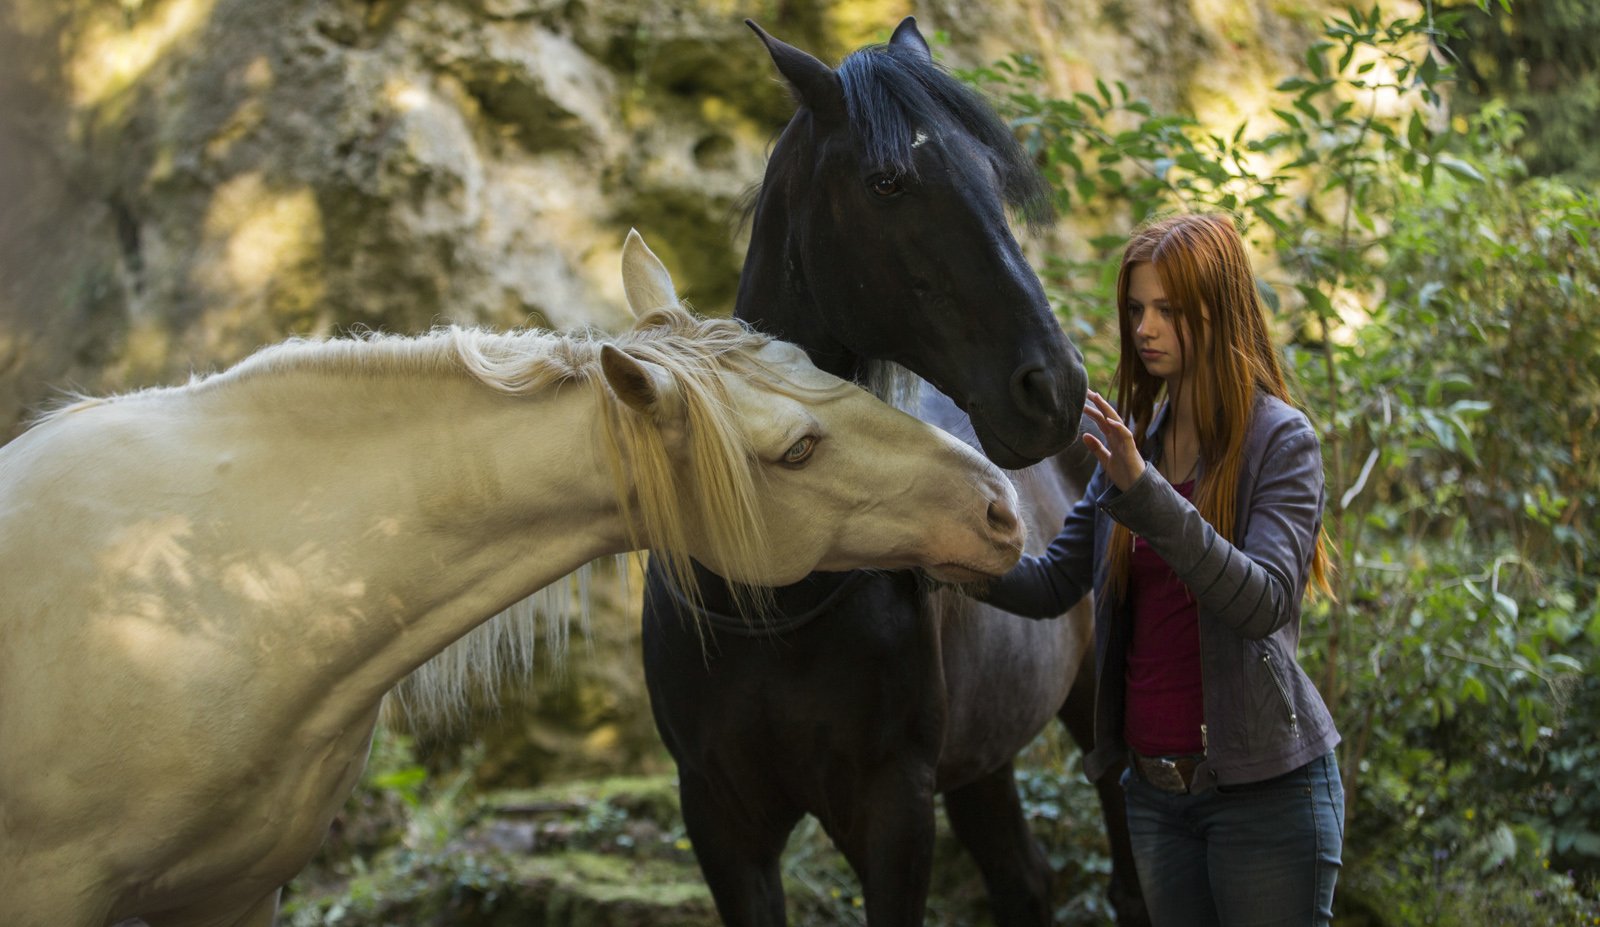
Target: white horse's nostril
{"points": [[1002, 518]]}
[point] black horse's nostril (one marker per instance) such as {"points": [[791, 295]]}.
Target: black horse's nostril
{"points": [[1050, 396], [1033, 389]]}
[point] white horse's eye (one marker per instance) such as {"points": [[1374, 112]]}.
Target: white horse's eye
{"points": [[800, 450]]}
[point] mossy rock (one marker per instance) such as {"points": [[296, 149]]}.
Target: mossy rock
{"points": [[580, 889], [654, 798], [463, 888]]}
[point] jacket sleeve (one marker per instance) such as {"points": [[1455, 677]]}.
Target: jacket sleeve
{"points": [[1254, 588], [1049, 584]]}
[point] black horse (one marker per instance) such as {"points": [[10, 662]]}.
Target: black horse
{"points": [[880, 235]]}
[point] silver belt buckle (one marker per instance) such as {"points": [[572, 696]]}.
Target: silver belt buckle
{"points": [[1164, 775]]}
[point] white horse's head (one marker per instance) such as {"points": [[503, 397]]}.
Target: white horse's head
{"points": [[823, 476]]}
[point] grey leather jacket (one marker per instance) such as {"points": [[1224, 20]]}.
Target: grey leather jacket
{"points": [[1263, 716]]}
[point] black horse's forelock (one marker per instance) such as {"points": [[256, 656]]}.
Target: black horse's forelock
{"points": [[891, 92]]}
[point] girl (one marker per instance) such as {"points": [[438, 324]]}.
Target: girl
{"points": [[1199, 534]]}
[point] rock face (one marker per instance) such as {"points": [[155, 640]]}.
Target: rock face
{"points": [[183, 181]]}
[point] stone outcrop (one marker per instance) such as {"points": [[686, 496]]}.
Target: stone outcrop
{"points": [[184, 180]]}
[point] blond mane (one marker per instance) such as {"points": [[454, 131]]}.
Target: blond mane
{"points": [[654, 491], [720, 479]]}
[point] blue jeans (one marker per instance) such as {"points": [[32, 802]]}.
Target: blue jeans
{"points": [[1265, 853]]}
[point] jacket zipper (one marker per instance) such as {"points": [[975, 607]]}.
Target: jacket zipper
{"points": [[1283, 691], [1200, 642], [1200, 635]]}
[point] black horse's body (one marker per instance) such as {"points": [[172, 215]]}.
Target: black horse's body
{"points": [[880, 235]]}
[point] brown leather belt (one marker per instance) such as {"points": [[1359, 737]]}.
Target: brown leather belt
{"points": [[1168, 773]]}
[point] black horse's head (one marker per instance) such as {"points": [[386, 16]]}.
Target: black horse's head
{"points": [[881, 234]]}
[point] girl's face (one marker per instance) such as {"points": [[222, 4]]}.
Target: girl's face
{"points": [[1155, 323]]}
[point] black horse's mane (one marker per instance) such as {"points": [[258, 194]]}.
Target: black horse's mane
{"points": [[889, 92]]}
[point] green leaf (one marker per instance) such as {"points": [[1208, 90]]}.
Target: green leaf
{"points": [[1428, 71], [1315, 61], [1500, 847], [1459, 168], [1587, 843], [1467, 409], [1269, 296]]}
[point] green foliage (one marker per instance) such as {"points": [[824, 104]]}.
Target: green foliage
{"points": [[1543, 62], [1443, 312], [395, 813]]}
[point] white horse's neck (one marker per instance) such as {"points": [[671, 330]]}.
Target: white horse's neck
{"points": [[495, 509], [453, 499]]}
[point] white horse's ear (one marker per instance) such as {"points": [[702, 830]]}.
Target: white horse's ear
{"points": [[644, 278], [645, 387]]}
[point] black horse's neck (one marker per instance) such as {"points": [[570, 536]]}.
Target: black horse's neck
{"points": [[775, 297], [792, 607], [778, 301]]}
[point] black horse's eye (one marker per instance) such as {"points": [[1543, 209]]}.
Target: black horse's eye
{"points": [[800, 450], [884, 184]]}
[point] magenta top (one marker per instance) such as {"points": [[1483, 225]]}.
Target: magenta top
{"points": [[1164, 706]]}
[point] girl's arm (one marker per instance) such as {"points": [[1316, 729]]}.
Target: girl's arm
{"points": [[1254, 587], [1049, 584]]}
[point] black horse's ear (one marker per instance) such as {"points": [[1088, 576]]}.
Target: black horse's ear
{"points": [[907, 36], [815, 85]]}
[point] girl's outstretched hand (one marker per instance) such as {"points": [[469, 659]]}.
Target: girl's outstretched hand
{"points": [[1119, 456]]}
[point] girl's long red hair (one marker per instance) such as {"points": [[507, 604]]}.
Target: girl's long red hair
{"points": [[1202, 266]]}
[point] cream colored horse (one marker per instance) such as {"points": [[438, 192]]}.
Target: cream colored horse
{"points": [[205, 591]]}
